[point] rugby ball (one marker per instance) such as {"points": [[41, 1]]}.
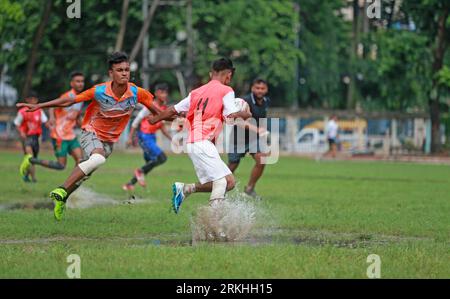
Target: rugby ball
{"points": [[242, 104]]}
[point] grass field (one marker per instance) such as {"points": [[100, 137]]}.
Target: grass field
{"points": [[317, 220]]}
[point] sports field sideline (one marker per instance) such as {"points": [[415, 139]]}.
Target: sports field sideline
{"points": [[317, 220]]}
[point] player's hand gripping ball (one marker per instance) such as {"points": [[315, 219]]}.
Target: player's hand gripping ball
{"points": [[242, 104]]}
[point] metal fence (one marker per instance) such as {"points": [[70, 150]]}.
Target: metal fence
{"points": [[381, 133], [303, 132]]}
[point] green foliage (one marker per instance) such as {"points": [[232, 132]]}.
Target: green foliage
{"points": [[10, 12], [258, 35], [326, 42], [444, 76], [399, 77], [68, 44]]}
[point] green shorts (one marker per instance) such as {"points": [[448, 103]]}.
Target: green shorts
{"points": [[65, 147]]}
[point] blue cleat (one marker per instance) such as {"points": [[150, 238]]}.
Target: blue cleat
{"points": [[178, 196]]}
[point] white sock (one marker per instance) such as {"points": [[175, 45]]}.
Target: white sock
{"points": [[218, 189], [188, 189]]}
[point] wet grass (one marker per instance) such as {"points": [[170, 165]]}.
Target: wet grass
{"points": [[316, 220]]}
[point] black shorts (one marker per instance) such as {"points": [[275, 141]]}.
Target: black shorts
{"points": [[33, 142], [331, 141], [235, 156]]}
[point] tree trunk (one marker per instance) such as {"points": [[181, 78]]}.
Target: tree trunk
{"points": [[190, 47], [35, 47], [123, 25], [350, 101], [144, 30], [438, 62]]}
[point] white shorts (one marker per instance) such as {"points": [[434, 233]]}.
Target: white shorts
{"points": [[208, 165]]}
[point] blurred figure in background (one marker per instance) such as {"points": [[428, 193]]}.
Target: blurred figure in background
{"points": [[153, 155], [332, 129], [258, 102], [29, 125]]}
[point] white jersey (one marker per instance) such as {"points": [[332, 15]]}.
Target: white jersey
{"points": [[332, 129]]}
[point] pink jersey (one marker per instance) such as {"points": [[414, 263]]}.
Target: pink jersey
{"points": [[207, 106], [30, 123]]}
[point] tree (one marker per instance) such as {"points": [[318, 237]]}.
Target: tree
{"points": [[145, 26], [123, 25], [68, 44], [325, 40], [35, 48], [432, 19], [258, 35], [396, 74]]}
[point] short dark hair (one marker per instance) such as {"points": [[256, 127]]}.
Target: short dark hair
{"points": [[31, 94], [162, 86], [259, 81], [75, 74], [117, 57], [222, 64]]}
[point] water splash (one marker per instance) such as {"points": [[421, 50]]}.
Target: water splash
{"points": [[227, 220], [84, 198]]}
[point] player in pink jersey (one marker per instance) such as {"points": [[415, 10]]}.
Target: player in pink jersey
{"points": [[29, 125], [207, 107]]}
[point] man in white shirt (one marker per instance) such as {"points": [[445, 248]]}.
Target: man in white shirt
{"points": [[331, 130]]}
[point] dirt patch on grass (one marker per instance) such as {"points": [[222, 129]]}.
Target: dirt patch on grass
{"points": [[82, 198], [280, 236], [27, 206]]}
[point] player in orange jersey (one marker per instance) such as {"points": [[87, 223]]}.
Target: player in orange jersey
{"points": [[62, 123], [105, 119]]}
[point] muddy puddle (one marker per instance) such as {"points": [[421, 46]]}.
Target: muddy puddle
{"points": [[82, 198]]}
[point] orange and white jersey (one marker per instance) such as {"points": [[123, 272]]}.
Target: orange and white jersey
{"points": [[66, 119], [206, 108], [107, 115]]}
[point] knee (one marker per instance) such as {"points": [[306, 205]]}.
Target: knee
{"points": [[231, 183], [258, 160], [233, 165], [94, 162], [162, 158]]}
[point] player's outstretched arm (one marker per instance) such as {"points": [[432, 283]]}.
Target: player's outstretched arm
{"points": [[60, 102], [167, 114]]}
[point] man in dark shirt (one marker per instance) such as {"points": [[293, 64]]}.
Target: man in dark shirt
{"points": [[258, 103]]}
